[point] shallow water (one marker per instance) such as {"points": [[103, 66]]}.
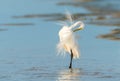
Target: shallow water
{"points": [[29, 34]]}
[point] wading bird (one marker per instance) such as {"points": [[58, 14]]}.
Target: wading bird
{"points": [[68, 42]]}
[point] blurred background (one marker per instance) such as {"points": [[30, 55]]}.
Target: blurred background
{"points": [[29, 35]]}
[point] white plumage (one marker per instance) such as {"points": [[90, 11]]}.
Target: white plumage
{"points": [[68, 41]]}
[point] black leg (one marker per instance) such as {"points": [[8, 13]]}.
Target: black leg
{"points": [[71, 59]]}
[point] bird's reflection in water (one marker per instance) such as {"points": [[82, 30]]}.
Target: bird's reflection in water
{"points": [[69, 75]]}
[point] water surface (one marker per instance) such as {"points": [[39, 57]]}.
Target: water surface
{"points": [[29, 34]]}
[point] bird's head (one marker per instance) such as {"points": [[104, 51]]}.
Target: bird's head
{"points": [[77, 26], [80, 28]]}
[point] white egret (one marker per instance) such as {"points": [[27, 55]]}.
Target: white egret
{"points": [[68, 42]]}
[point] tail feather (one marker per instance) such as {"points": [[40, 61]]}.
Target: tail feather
{"points": [[76, 53], [62, 50]]}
